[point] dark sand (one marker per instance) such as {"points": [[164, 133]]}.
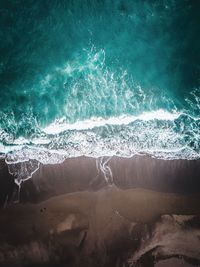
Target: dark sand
{"points": [[85, 173], [87, 212]]}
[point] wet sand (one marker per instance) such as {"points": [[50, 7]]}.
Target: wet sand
{"points": [[86, 173]]}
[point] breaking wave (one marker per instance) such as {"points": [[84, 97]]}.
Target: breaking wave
{"points": [[160, 134]]}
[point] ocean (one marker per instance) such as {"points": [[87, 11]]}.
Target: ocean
{"points": [[99, 78]]}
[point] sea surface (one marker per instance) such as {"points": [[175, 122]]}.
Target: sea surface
{"points": [[99, 78]]}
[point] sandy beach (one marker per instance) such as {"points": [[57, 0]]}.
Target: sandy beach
{"points": [[104, 212]]}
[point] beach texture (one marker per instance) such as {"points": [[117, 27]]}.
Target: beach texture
{"points": [[70, 214]]}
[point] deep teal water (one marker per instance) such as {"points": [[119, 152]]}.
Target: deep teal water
{"points": [[83, 59]]}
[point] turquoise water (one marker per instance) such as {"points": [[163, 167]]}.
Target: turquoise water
{"points": [[97, 78]]}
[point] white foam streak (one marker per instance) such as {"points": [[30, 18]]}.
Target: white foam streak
{"points": [[60, 125]]}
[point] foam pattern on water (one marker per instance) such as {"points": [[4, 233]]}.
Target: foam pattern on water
{"points": [[175, 136], [104, 113], [96, 105]]}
